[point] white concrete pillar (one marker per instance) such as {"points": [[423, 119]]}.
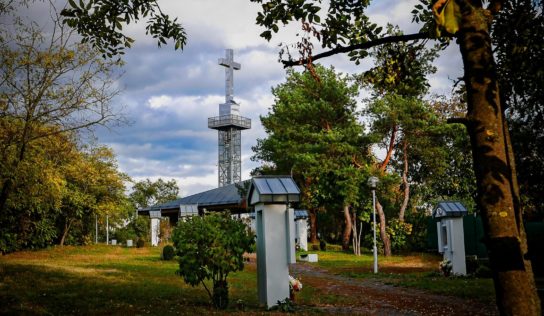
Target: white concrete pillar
{"points": [[155, 230], [275, 250], [302, 233], [451, 243]]}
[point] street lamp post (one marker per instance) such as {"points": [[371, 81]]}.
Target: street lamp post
{"points": [[373, 182], [96, 228], [107, 230]]}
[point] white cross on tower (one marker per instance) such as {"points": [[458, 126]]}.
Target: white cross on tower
{"points": [[230, 65]]}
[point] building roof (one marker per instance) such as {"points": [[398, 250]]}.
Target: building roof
{"points": [[228, 197], [449, 209], [223, 197]]}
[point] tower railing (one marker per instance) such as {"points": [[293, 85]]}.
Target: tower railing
{"points": [[219, 122]]}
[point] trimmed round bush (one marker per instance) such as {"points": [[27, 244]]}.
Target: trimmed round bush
{"points": [[323, 245], [168, 252]]}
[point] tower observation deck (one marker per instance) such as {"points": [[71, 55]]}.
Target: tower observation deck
{"points": [[229, 125]]}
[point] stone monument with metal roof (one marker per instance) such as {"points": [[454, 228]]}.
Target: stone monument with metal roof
{"points": [[229, 125], [451, 237]]}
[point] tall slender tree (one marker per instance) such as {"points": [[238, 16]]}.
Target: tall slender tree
{"points": [[313, 132], [398, 80]]}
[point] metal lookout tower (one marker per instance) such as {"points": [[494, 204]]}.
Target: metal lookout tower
{"points": [[229, 125]]}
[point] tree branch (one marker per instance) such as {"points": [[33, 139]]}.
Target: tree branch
{"points": [[365, 45], [458, 120]]}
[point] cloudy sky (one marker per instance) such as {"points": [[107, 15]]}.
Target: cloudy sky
{"points": [[168, 95]]}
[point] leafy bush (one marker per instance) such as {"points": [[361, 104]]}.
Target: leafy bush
{"points": [[472, 264], [398, 234], [418, 237], [211, 247], [168, 252], [323, 245], [483, 271], [285, 306], [137, 228], [445, 267], [140, 243], [124, 234]]}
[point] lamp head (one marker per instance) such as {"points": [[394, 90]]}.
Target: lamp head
{"points": [[373, 182]]}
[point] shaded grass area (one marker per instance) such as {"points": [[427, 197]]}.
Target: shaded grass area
{"points": [[418, 271], [102, 280]]}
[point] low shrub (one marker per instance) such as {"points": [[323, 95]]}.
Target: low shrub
{"points": [[333, 247], [140, 243], [285, 306], [483, 271], [168, 252], [210, 248], [472, 264], [323, 245]]}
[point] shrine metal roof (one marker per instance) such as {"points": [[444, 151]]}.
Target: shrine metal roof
{"points": [[449, 209], [273, 189]]}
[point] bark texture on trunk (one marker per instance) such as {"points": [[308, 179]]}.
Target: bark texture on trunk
{"points": [[389, 149], [67, 226], [405, 182], [347, 228], [383, 233], [505, 236], [313, 225]]}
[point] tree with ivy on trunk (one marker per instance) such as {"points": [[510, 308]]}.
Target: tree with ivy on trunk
{"points": [[347, 29]]}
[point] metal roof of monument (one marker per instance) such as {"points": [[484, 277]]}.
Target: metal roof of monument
{"points": [[449, 209], [273, 189]]}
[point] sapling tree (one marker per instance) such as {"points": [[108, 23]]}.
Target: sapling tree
{"points": [[209, 248]]}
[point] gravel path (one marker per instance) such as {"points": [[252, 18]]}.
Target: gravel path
{"points": [[372, 297]]}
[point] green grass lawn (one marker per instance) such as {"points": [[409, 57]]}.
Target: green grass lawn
{"points": [[105, 280], [102, 280]]}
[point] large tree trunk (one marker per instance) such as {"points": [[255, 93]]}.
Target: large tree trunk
{"points": [[347, 228], [383, 233], [505, 236], [405, 182], [313, 225]]}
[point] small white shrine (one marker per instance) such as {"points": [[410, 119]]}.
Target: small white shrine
{"points": [[451, 236], [301, 229], [275, 235], [155, 227]]}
